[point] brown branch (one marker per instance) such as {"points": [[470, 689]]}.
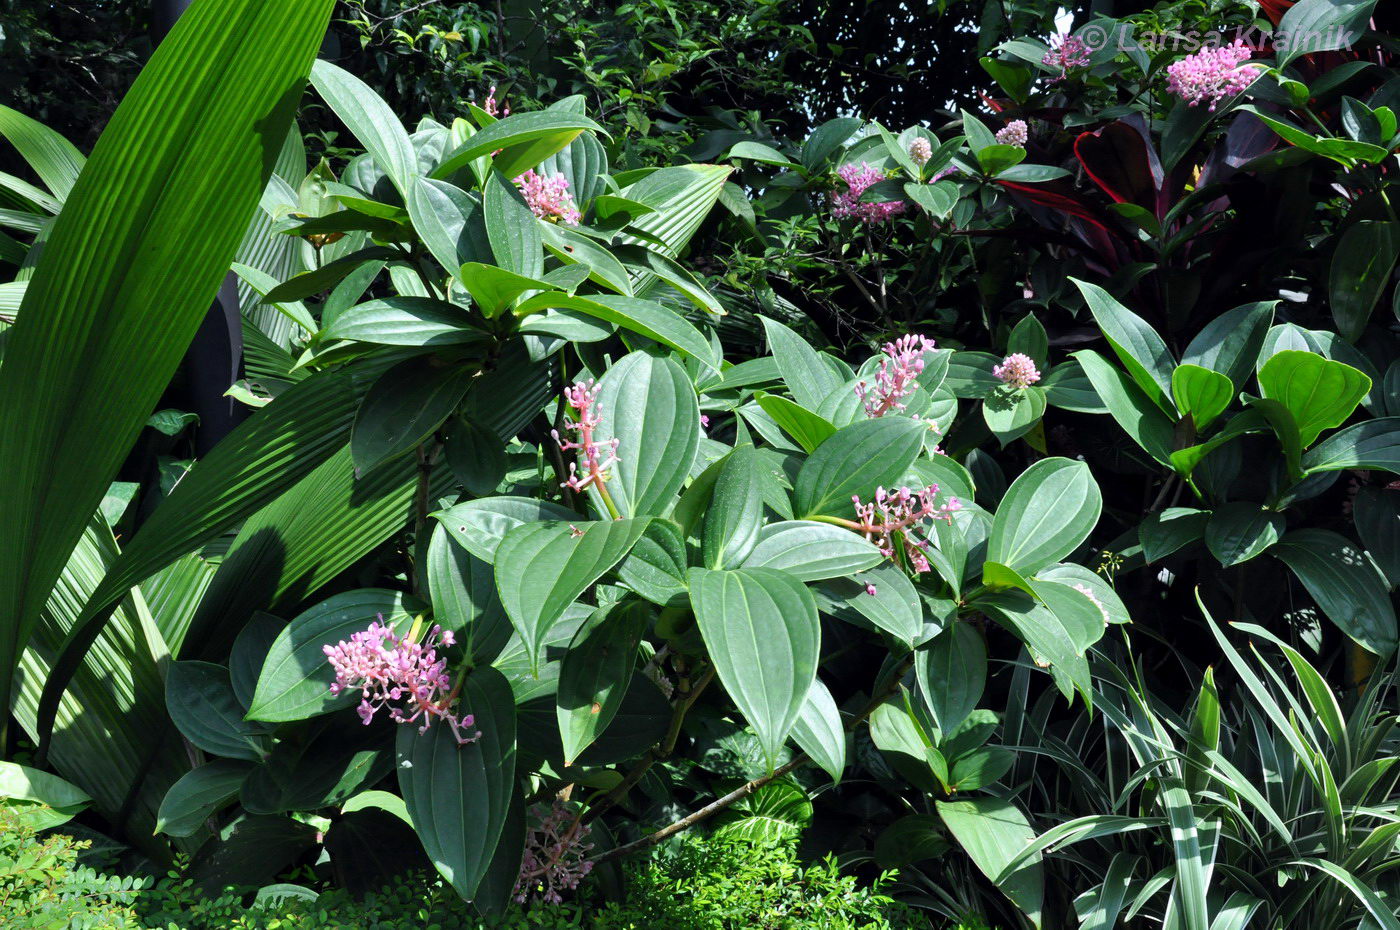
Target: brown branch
{"points": [[749, 787]]}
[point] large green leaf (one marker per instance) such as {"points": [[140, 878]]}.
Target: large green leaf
{"points": [[779, 810], [648, 404], [818, 731], [541, 568], [1240, 530], [1201, 394], [370, 120], [295, 679], [465, 600], [1319, 392], [1143, 420], [812, 551], [761, 630], [735, 515], [38, 798], [404, 321], [855, 460], [893, 607], [645, 317], [265, 455], [458, 796], [480, 525], [596, 671], [1361, 268], [807, 376], [200, 700], [404, 407], [199, 795], [952, 672], [513, 231], [304, 539], [54, 159], [680, 198], [560, 127], [1047, 512], [1346, 584], [992, 832], [113, 737], [1134, 341], [174, 179], [1230, 343], [1372, 444], [1322, 25]]}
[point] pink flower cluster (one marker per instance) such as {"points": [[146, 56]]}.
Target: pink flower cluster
{"points": [[890, 521], [598, 457], [387, 668], [549, 197], [556, 855], [897, 377], [492, 108], [1014, 133], [920, 151], [1212, 74], [1017, 370], [1066, 52], [847, 204]]}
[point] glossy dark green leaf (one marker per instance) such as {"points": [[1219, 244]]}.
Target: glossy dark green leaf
{"points": [[855, 460], [404, 407], [512, 229], [812, 551], [465, 601], [807, 376], [1163, 533], [991, 831], [404, 321], [1231, 342], [1135, 342], [596, 671], [1377, 516], [480, 525], [1143, 420], [807, 428], [199, 795], [1371, 444], [644, 317], [450, 222], [1361, 268], [648, 404], [1010, 414], [458, 796], [1240, 530], [1048, 511], [477, 457], [779, 811], [952, 672], [1346, 584], [542, 568], [894, 607], [202, 704], [494, 289], [559, 126], [295, 679], [761, 630], [656, 566], [819, 732], [735, 514], [370, 120]]}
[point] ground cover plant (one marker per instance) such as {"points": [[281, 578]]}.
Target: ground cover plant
{"points": [[653, 514]]}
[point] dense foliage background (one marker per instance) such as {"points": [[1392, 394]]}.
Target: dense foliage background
{"points": [[566, 333]]}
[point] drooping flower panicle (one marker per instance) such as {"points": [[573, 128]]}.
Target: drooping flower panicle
{"points": [[847, 204], [1014, 133], [1017, 370], [409, 678], [920, 151], [1066, 52], [556, 855], [893, 519], [897, 377], [549, 197], [597, 456], [1213, 74]]}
